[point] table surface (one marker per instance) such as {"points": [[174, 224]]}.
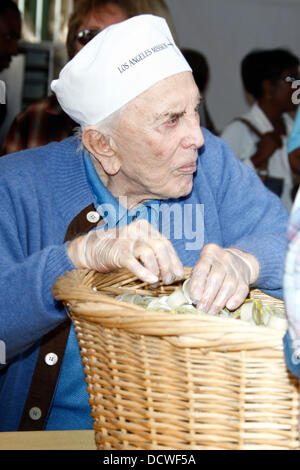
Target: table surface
{"points": [[47, 440]]}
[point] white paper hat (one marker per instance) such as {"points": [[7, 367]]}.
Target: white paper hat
{"points": [[119, 64]]}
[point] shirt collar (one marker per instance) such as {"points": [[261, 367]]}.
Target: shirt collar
{"points": [[112, 210], [261, 119], [258, 117]]}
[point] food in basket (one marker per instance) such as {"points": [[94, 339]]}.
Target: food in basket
{"points": [[252, 311]]}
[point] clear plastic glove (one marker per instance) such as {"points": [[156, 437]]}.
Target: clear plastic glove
{"points": [[222, 277], [137, 246]]}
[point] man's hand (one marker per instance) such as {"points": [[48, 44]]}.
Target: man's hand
{"points": [[137, 246], [222, 278]]}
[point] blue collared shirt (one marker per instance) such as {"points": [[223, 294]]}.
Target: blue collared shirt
{"points": [[114, 211]]}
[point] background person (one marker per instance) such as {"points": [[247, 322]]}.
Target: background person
{"points": [[44, 121], [10, 33], [259, 137]]}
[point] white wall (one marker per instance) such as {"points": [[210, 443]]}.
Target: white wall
{"points": [[225, 31]]}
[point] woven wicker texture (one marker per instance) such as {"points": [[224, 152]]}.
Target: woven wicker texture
{"points": [[158, 380]]}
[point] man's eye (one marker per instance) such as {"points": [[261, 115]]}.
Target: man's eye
{"points": [[173, 120]]}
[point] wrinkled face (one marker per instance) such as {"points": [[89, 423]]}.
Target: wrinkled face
{"points": [[10, 32], [283, 90], [100, 18], [157, 138]]}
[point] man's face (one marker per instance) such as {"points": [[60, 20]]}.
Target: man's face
{"points": [[100, 18], [157, 138], [10, 32]]}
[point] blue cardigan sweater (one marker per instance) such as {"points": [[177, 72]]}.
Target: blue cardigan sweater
{"points": [[43, 189]]}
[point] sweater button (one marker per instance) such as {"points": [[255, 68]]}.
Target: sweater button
{"points": [[35, 413], [296, 357], [93, 217], [51, 359]]}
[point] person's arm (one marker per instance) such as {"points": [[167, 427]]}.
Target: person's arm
{"points": [[254, 153], [221, 278], [138, 247], [241, 142], [28, 271], [255, 223], [266, 146], [27, 307], [252, 220]]}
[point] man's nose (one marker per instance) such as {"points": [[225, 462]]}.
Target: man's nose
{"points": [[194, 136], [200, 138]]}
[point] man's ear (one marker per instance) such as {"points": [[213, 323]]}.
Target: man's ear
{"points": [[103, 148]]}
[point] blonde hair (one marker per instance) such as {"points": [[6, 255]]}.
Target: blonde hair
{"points": [[154, 7], [130, 8]]}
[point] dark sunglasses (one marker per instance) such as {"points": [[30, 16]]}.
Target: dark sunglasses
{"points": [[84, 36]]}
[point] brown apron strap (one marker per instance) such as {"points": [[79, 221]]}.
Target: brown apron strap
{"points": [[44, 379], [251, 126], [52, 348]]}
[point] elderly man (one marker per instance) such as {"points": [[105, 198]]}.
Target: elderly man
{"points": [[134, 192]]}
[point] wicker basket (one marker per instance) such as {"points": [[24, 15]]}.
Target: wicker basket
{"points": [[163, 381]]}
